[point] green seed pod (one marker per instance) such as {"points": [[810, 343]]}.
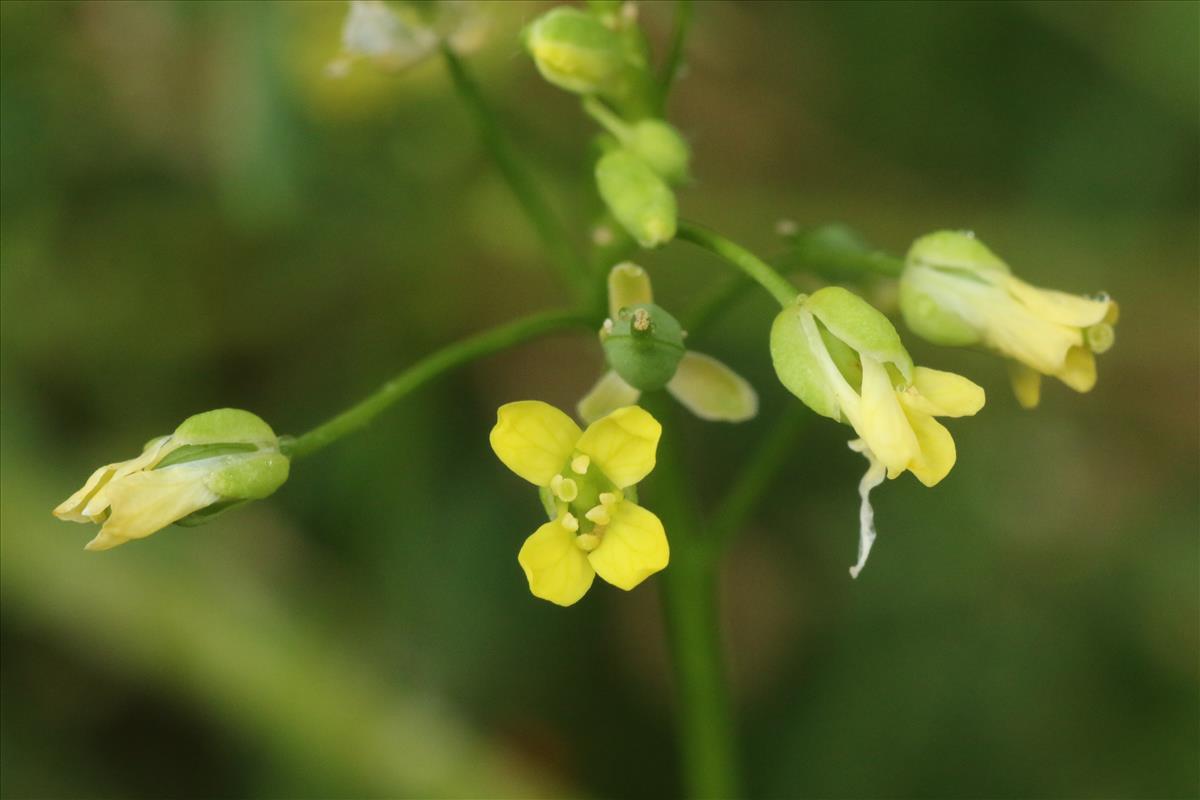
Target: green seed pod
{"points": [[575, 51], [643, 345], [639, 199]]}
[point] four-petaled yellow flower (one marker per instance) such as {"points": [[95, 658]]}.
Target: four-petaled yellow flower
{"points": [[587, 481]]}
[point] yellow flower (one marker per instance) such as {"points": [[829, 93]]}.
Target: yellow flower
{"points": [[845, 361], [956, 292], [211, 462], [702, 384], [587, 481]]}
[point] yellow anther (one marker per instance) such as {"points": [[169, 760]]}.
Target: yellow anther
{"points": [[598, 515], [570, 523], [564, 489], [579, 464], [587, 542], [608, 499]]}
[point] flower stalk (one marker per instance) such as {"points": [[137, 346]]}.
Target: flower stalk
{"points": [[432, 366], [762, 273]]}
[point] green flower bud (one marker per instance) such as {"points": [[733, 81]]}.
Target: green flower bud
{"points": [[652, 140], [643, 345], [575, 51], [212, 462], [840, 326], [639, 199]]}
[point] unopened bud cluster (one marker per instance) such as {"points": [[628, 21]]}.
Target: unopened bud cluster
{"points": [[602, 55]]}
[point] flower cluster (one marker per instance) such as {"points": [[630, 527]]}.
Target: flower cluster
{"points": [[602, 55]]}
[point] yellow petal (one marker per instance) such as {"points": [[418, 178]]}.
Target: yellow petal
{"points": [[1059, 307], [622, 444], [533, 439], [1078, 370], [145, 502], [633, 548], [937, 454], [943, 394], [1026, 384], [1019, 333], [882, 423], [628, 285], [711, 390], [610, 393], [557, 570], [89, 503]]}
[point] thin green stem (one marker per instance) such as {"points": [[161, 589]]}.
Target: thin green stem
{"points": [[453, 355], [689, 585], [547, 224], [765, 275], [838, 253], [756, 478], [673, 65]]}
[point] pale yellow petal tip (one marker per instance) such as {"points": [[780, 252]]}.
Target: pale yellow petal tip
{"points": [[628, 285], [104, 541], [1026, 384], [1079, 370]]}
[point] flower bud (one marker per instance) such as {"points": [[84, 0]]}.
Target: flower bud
{"points": [[639, 199], [210, 463], [575, 51], [661, 147], [643, 345], [956, 292]]}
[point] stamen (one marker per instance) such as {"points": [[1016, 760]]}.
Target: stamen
{"points": [[610, 498], [570, 522], [587, 542], [598, 515], [564, 489], [579, 464], [1100, 337]]}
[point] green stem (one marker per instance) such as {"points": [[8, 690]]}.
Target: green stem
{"points": [[428, 368], [549, 228], [779, 287], [838, 253], [689, 585], [673, 64], [756, 478]]}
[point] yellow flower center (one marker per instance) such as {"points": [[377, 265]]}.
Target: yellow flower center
{"points": [[586, 500]]}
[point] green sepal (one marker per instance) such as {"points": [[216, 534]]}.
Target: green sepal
{"points": [[224, 426], [638, 198], [198, 518], [797, 366], [955, 250], [928, 318], [549, 502], [199, 452], [861, 326], [250, 477], [645, 357]]}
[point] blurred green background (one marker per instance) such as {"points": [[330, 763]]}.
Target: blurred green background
{"points": [[195, 216]]}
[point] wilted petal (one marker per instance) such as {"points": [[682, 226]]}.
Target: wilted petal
{"points": [[610, 393], [882, 422], [711, 390]]}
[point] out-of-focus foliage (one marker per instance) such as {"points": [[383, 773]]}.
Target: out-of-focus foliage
{"points": [[196, 216]]}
